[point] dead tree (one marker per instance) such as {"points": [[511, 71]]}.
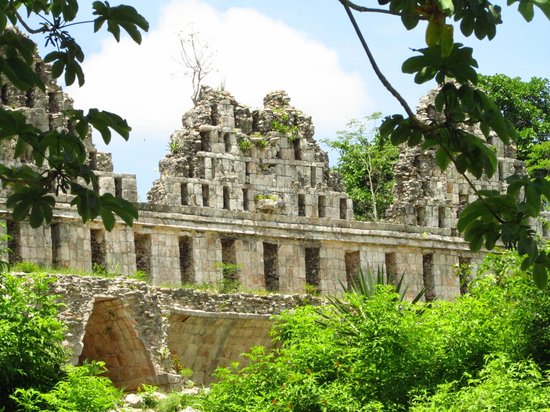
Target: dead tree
{"points": [[197, 59]]}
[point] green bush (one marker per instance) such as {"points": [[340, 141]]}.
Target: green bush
{"points": [[502, 385], [174, 402], [27, 267], [31, 336], [81, 390], [376, 352]]}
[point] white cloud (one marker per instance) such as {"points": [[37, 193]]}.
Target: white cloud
{"points": [[255, 55]]}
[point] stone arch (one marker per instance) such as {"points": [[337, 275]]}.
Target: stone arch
{"points": [[110, 336]]}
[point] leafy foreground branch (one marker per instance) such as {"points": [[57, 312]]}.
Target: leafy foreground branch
{"points": [[461, 110], [59, 155], [489, 349]]}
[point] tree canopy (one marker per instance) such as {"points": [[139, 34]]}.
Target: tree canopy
{"points": [[59, 156], [366, 165], [461, 107], [527, 105]]}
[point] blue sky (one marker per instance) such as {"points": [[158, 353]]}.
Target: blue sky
{"points": [[303, 46]]}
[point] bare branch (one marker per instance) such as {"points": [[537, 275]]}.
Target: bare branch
{"points": [[364, 9], [27, 27], [194, 56], [374, 65]]}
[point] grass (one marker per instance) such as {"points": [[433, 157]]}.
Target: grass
{"points": [[97, 271]]}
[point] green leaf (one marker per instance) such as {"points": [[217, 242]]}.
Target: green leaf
{"points": [[446, 6], [540, 275], [108, 218], [526, 10], [20, 74], [446, 40], [442, 159], [119, 16], [467, 25], [544, 6], [103, 121], [433, 33]]}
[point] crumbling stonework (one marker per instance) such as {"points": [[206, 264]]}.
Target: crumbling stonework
{"points": [[229, 157], [244, 196], [146, 334], [239, 199], [427, 196]]}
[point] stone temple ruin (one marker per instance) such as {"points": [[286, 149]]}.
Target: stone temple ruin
{"points": [[246, 197]]}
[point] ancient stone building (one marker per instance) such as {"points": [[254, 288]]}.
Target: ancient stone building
{"points": [[147, 335], [246, 196]]}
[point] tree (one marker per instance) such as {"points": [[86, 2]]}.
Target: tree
{"points": [[538, 160], [31, 336], [525, 104], [366, 164], [59, 156], [196, 58], [460, 108]]}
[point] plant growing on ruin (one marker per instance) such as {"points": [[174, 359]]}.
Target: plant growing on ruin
{"points": [[147, 393], [60, 154], [259, 197], [174, 146], [27, 267], [366, 165], [260, 141], [245, 145], [458, 106], [197, 59], [140, 275], [290, 130], [311, 289]]}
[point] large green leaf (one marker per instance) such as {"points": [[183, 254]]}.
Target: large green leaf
{"points": [[116, 17]]}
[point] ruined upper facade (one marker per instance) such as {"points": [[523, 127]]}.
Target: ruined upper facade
{"points": [[427, 196], [246, 196], [230, 157]]}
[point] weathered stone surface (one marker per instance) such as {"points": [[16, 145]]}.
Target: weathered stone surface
{"points": [[245, 198], [269, 153], [146, 334], [427, 196]]}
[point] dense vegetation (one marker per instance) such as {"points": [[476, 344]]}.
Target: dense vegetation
{"points": [[374, 352], [490, 348], [366, 163], [366, 158], [527, 105]]}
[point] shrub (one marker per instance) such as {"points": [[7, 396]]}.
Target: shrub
{"points": [[31, 351], [502, 385], [27, 267], [373, 351], [174, 402], [81, 390]]}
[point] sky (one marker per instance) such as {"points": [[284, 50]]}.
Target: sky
{"points": [[306, 47]]}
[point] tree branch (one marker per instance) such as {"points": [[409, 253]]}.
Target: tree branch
{"points": [[27, 27], [364, 9], [469, 181], [374, 65]]}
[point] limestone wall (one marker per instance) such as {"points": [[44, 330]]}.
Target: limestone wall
{"points": [[306, 251], [246, 196], [147, 335], [230, 157], [427, 196]]}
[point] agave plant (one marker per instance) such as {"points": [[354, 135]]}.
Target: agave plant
{"points": [[366, 285]]}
